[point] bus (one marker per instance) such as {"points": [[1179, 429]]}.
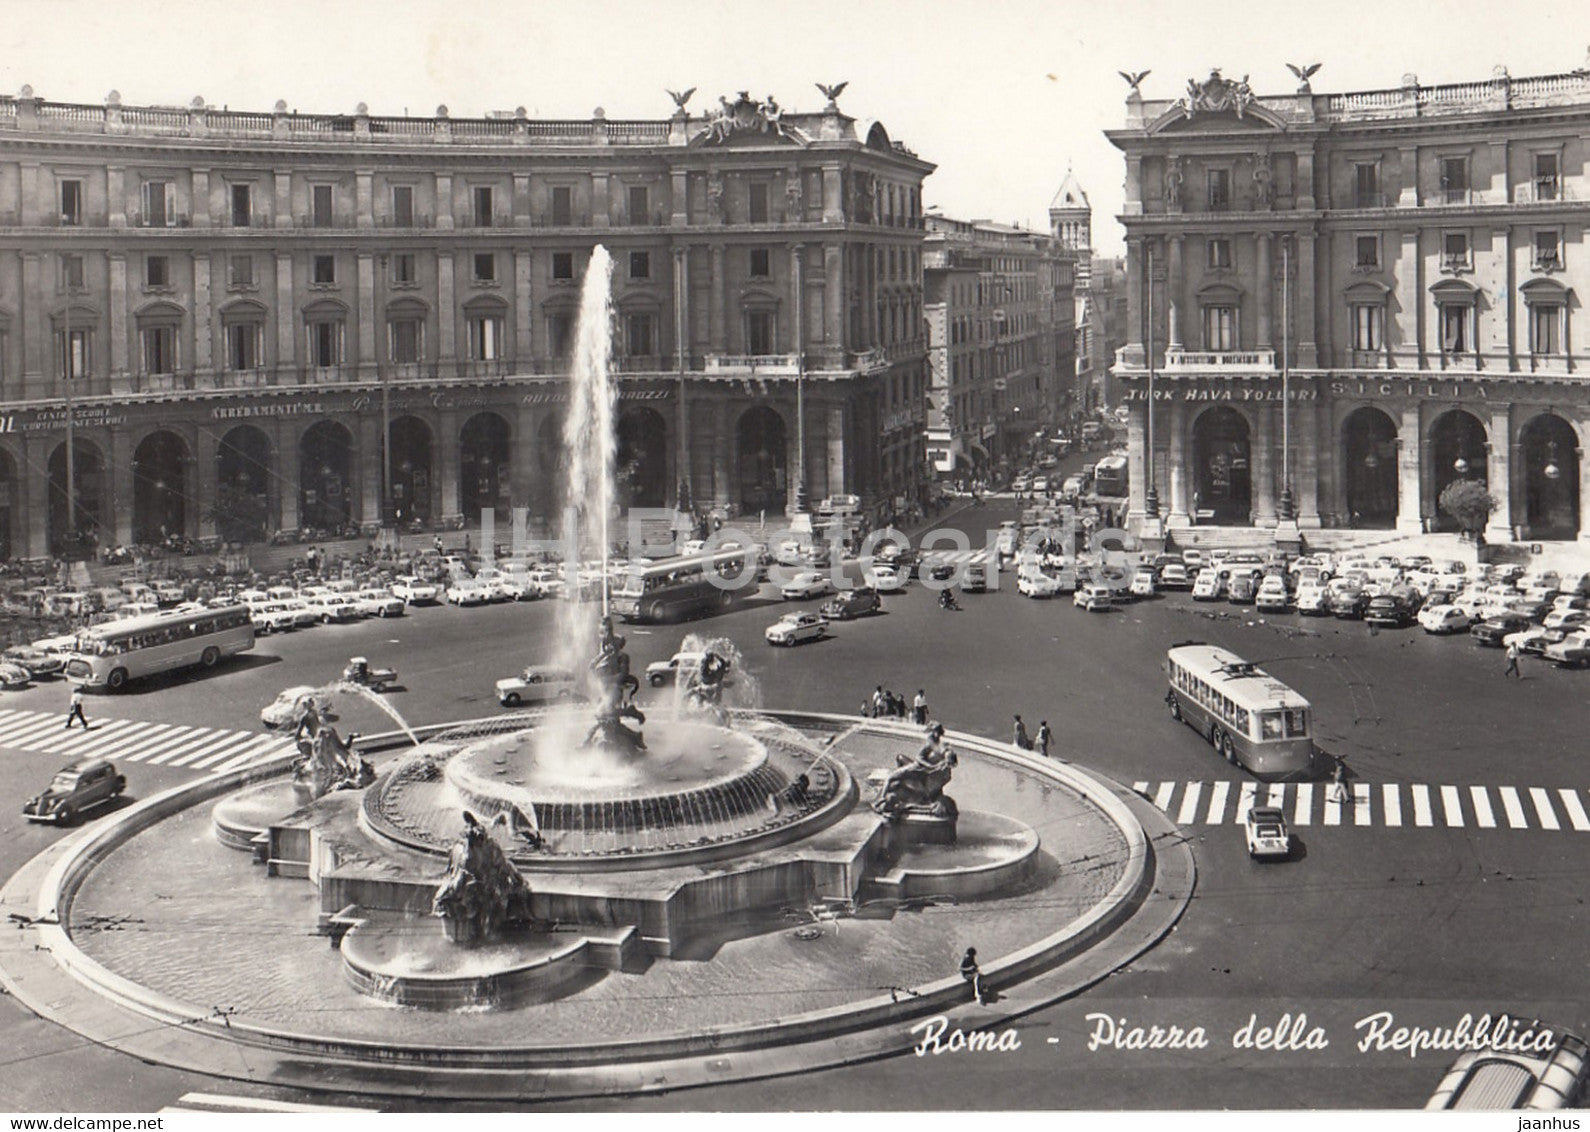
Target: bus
{"points": [[1109, 476], [1249, 716], [107, 656], [675, 588]]}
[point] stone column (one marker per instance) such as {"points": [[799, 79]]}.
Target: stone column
{"points": [[118, 322], [284, 198], [1178, 515], [116, 194], [1136, 462], [366, 316], [834, 469], [1410, 488], [287, 474], [1262, 469], [681, 198], [722, 456], [36, 451], [1307, 471], [523, 303], [522, 458], [1408, 196], [451, 506], [716, 342], [446, 313], [834, 297], [199, 199], [286, 332], [833, 195], [363, 198], [371, 504], [1584, 481], [203, 320], [1263, 287], [1305, 180], [521, 200], [118, 491], [444, 201], [1173, 292], [1134, 355], [33, 328], [1506, 453], [1407, 345], [204, 478], [1303, 302]]}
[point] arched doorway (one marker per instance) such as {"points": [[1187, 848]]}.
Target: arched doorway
{"points": [[642, 459], [9, 507], [1551, 478], [74, 531], [242, 489], [325, 458], [1458, 450], [160, 473], [483, 470], [410, 470], [1221, 466], [1369, 468], [761, 449]]}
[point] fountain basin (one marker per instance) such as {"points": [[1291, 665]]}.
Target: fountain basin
{"points": [[991, 854]]}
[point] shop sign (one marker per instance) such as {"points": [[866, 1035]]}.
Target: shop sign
{"points": [[270, 409], [1238, 394], [1451, 390], [83, 416]]}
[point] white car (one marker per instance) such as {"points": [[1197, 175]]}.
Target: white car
{"points": [[469, 591], [1142, 583], [1266, 833], [301, 613], [805, 585], [1210, 586], [496, 583], [333, 607], [521, 581], [537, 684], [667, 671], [1566, 619], [272, 616], [1093, 597], [793, 628], [1440, 619], [1534, 640], [885, 579], [376, 602], [549, 582], [1573, 651], [1035, 583], [412, 590], [1174, 577], [1272, 596]]}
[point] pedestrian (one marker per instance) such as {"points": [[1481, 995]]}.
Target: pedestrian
{"points": [[919, 706], [1513, 653], [1045, 737], [76, 711], [1339, 783], [879, 704], [972, 973], [1021, 738]]}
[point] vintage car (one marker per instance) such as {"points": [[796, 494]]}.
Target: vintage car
{"points": [[1573, 651], [1266, 833], [76, 787], [36, 661], [469, 591], [975, 580], [793, 628], [1441, 619], [662, 672], [415, 590], [1035, 583], [885, 579], [852, 603], [376, 602], [805, 585], [538, 684], [13, 675]]}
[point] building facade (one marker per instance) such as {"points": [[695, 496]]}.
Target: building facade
{"points": [[283, 321], [1000, 328], [1361, 297]]}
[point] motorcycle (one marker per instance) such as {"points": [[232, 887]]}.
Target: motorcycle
{"points": [[947, 601]]}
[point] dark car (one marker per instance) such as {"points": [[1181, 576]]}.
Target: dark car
{"points": [[903, 559], [1349, 604], [76, 787], [1491, 631], [1389, 609], [852, 603], [1533, 610], [941, 571]]}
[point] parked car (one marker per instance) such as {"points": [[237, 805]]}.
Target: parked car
{"points": [[1210, 586], [1349, 602], [14, 677], [271, 617], [1173, 576], [538, 684], [334, 607], [1519, 1079], [376, 602], [806, 585], [1441, 619], [1242, 588], [1095, 597], [468, 591], [793, 628], [37, 662], [1566, 619], [1313, 601], [1272, 596], [975, 580], [1265, 831], [415, 590], [1142, 584], [1035, 583], [885, 579], [852, 603], [1573, 651], [76, 787], [1492, 630], [1534, 640], [1393, 610], [662, 672]]}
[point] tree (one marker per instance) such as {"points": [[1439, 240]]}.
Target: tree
{"points": [[1468, 503]]}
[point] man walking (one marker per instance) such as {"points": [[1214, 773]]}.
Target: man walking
{"points": [[1045, 737], [76, 711], [1513, 653], [1021, 738], [919, 708], [1339, 793]]}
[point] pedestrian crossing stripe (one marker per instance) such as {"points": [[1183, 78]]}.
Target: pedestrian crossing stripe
{"points": [[214, 750], [1393, 805], [957, 557], [226, 1102]]}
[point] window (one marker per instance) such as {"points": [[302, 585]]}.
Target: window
{"points": [[1220, 328], [1545, 179], [1454, 251], [761, 263], [640, 335], [243, 345], [1455, 328], [485, 267], [563, 265], [325, 343], [560, 334], [71, 203], [1366, 185], [159, 204], [1455, 180], [242, 205], [485, 337], [638, 204], [1545, 329], [320, 206], [324, 270], [403, 206], [404, 272], [482, 199], [640, 265], [1219, 190], [1368, 326], [562, 204], [159, 348], [72, 272], [1548, 253], [759, 332], [1219, 254], [405, 337], [157, 272], [240, 271], [1366, 251], [758, 202], [72, 347]]}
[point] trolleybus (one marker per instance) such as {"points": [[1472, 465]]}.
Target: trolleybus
{"points": [[676, 588], [1249, 716], [109, 655]]}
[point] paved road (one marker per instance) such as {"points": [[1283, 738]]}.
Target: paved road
{"points": [[1449, 885]]}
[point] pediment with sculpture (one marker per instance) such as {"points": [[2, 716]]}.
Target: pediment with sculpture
{"points": [[746, 118]]}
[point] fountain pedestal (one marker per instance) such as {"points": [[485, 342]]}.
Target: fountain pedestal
{"points": [[921, 829]]}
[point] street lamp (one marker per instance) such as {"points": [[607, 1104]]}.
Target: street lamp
{"points": [[1552, 470], [1151, 494]]}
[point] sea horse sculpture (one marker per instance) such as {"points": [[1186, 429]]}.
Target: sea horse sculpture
{"points": [[327, 760], [916, 785], [705, 691], [616, 687], [482, 891]]}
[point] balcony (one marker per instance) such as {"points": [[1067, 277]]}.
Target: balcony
{"points": [[761, 365], [1205, 361], [1447, 195], [1542, 191], [1370, 200]]}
